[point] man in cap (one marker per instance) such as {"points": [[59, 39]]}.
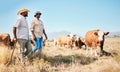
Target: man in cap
{"points": [[21, 33], [37, 29]]}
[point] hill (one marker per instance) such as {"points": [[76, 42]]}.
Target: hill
{"points": [[52, 35], [114, 34]]}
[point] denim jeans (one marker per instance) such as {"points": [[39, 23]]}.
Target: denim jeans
{"points": [[38, 44]]}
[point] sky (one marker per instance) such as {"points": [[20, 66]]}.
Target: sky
{"points": [[75, 16]]}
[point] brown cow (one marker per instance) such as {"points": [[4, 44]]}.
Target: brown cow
{"points": [[65, 40], [79, 42], [95, 38], [5, 40]]}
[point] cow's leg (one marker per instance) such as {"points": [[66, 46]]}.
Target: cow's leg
{"points": [[95, 49], [78, 44], [71, 45], [95, 52], [91, 51], [87, 50], [101, 49]]}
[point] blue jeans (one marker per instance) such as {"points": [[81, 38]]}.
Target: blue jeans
{"points": [[38, 44]]}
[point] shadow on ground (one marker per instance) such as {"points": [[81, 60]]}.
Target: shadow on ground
{"points": [[59, 59]]}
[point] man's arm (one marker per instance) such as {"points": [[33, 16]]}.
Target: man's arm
{"points": [[33, 34], [45, 34], [14, 33]]}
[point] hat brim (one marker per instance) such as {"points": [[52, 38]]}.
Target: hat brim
{"points": [[23, 10]]}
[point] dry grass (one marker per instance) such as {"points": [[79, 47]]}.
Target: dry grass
{"points": [[4, 55], [56, 59]]}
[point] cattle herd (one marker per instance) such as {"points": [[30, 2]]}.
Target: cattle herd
{"points": [[92, 40]]}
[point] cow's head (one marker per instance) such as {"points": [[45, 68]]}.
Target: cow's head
{"points": [[72, 36], [100, 34]]}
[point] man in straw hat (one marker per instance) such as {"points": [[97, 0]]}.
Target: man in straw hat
{"points": [[37, 29], [21, 33]]}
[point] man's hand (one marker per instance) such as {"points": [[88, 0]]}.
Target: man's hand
{"points": [[15, 39], [46, 37], [34, 37]]}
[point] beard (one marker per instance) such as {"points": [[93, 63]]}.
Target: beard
{"points": [[26, 15]]}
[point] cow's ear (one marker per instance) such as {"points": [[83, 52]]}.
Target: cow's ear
{"points": [[68, 35], [96, 33], [98, 30], [106, 33], [74, 35]]}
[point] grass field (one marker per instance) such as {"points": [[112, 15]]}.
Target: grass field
{"points": [[55, 59]]}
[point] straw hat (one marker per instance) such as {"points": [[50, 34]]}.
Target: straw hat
{"points": [[22, 10]]}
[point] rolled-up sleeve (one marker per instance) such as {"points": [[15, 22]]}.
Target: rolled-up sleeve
{"points": [[32, 25], [17, 23]]}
